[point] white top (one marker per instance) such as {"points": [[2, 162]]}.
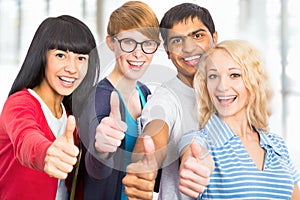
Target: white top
{"points": [[175, 103]]}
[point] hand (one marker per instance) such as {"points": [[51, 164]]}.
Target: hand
{"points": [[62, 154], [194, 172], [111, 130], [140, 176]]}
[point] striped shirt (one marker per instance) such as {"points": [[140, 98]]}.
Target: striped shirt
{"points": [[235, 175]]}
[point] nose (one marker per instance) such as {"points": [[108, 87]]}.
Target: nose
{"points": [[71, 63], [189, 45], [223, 84], [138, 51]]}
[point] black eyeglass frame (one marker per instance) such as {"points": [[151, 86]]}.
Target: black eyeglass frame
{"points": [[137, 43]]}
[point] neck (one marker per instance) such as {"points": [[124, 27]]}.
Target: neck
{"points": [[52, 101], [239, 124], [186, 80], [121, 83]]}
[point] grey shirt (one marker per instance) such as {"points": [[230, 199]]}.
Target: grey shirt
{"points": [[175, 103]]}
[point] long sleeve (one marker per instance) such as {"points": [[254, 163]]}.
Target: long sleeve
{"points": [[96, 108], [27, 129]]}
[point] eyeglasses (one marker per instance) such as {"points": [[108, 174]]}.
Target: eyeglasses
{"points": [[128, 45]]}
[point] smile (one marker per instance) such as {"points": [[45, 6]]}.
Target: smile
{"points": [[197, 57], [136, 63], [67, 79], [226, 99]]}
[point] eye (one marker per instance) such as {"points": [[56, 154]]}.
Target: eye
{"points": [[235, 75], [212, 76], [149, 43], [176, 40], [82, 58], [129, 41], [60, 55], [198, 36]]}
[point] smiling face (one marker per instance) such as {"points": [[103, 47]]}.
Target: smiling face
{"points": [[131, 65], [225, 85], [64, 72], [187, 41]]}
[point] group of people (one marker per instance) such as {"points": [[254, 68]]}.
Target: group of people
{"points": [[77, 137]]}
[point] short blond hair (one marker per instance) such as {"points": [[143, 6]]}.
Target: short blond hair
{"points": [[254, 76], [134, 15]]}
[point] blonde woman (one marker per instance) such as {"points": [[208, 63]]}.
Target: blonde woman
{"points": [[234, 98]]}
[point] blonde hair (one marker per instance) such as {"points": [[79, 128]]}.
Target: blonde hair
{"points": [[134, 15], [254, 77]]}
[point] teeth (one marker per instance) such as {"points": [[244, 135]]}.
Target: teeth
{"points": [[226, 97], [67, 79], [192, 58], [137, 63]]}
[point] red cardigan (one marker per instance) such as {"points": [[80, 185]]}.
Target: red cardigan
{"points": [[24, 139]]}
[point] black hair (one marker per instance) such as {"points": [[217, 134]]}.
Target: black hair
{"points": [[182, 12], [64, 33]]}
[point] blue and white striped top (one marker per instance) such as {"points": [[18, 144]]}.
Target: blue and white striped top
{"points": [[235, 175]]}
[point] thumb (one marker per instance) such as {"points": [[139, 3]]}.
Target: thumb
{"points": [[195, 149], [115, 106], [115, 111], [149, 149], [70, 127]]}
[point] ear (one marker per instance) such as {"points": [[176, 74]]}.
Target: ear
{"points": [[110, 42], [215, 37], [167, 51]]}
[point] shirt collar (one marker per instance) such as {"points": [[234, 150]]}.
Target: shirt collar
{"points": [[218, 131], [266, 142]]}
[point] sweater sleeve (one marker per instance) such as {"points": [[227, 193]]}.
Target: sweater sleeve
{"points": [[97, 107], [27, 130]]}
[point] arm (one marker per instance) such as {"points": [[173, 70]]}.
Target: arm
{"points": [[26, 130], [141, 184], [158, 130], [104, 141], [34, 144], [296, 193]]}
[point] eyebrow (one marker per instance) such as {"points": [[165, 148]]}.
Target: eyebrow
{"points": [[212, 69], [235, 68], [215, 69], [189, 34], [196, 31]]}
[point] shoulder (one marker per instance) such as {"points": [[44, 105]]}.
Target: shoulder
{"points": [[146, 91], [277, 142], [275, 138], [21, 104], [22, 99], [100, 95], [104, 87]]}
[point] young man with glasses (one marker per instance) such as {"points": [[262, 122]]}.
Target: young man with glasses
{"points": [[188, 31], [109, 127]]}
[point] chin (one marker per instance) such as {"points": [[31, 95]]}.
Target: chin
{"points": [[66, 92]]}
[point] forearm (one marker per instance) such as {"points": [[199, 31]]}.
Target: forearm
{"points": [[31, 150], [158, 131], [29, 140], [296, 193]]}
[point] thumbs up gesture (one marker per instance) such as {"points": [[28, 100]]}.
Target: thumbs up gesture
{"points": [[62, 154], [111, 130], [140, 176], [194, 170]]}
